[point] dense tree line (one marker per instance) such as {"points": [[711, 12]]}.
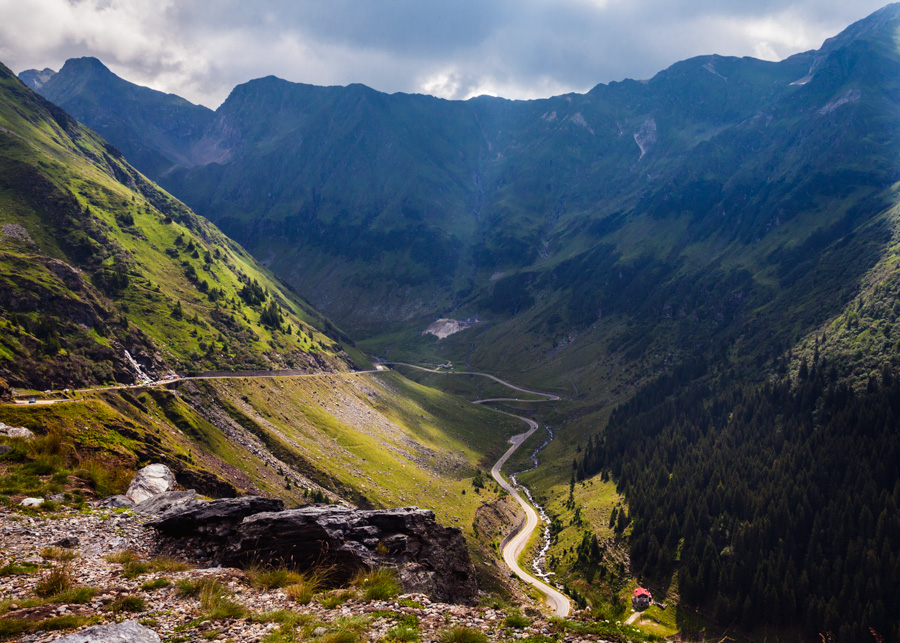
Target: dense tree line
{"points": [[777, 504]]}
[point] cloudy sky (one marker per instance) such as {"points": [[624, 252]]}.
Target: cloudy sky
{"points": [[200, 49]]}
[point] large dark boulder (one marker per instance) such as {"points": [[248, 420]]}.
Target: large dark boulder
{"points": [[216, 519], [430, 558]]}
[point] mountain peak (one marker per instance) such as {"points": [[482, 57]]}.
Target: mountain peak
{"points": [[36, 79], [869, 25], [86, 63]]}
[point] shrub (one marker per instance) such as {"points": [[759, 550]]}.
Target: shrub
{"points": [[54, 582], [378, 584]]}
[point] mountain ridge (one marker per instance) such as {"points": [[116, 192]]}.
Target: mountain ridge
{"points": [[390, 211], [102, 268]]}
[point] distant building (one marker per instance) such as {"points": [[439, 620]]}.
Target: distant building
{"points": [[641, 599]]}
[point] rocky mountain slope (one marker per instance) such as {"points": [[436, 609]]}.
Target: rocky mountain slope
{"points": [[106, 278]]}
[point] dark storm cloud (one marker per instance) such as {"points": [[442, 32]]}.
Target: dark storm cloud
{"points": [[201, 49]]}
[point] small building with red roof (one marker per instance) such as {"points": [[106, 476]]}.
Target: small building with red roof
{"points": [[641, 599]]}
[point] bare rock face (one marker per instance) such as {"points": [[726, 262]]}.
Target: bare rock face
{"points": [[167, 501], [150, 481], [15, 432], [430, 558], [216, 519], [127, 632]]}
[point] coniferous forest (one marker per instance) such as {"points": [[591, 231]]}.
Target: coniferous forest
{"points": [[770, 505]]}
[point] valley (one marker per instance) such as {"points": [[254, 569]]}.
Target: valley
{"points": [[336, 296]]}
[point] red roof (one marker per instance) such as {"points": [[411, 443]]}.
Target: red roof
{"points": [[640, 591]]}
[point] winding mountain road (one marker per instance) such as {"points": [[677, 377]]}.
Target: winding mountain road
{"points": [[516, 543], [519, 538], [514, 546], [173, 380]]}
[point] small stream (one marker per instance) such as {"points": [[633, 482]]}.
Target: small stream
{"points": [[538, 565]]}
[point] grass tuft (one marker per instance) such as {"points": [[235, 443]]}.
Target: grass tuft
{"points": [[273, 578], [157, 583], [517, 621], [332, 599], [378, 584], [463, 635], [403, 633], [216, 601], [129, 603], [56, 581], [58, 553]]}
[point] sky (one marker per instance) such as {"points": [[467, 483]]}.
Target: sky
{"points": [[201, 49]]}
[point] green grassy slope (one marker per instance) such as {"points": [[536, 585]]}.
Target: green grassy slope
{"points": [[97, 261], [371, 439]]}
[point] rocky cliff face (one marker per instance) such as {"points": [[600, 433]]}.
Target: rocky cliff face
{"points": [[430, 559]]}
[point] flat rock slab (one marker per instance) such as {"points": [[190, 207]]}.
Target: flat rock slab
{"points": [[216, 519], [127, 632], [168, 501], [115, 502]]}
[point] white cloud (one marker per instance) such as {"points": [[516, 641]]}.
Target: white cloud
{"points": [[200, 49]]}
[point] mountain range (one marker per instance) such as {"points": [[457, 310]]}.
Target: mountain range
{"points": [[724, 204], [712, 251]]}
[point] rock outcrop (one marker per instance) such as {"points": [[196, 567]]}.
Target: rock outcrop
{"points": [[126, 632], [213, 520], [15, 432], [150, 481], [158, 505], [430, 558]]}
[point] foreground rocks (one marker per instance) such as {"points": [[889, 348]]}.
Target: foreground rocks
{"points": [[127, 632], [95, 534], [430, 559], [15, 432], [150, 481]]}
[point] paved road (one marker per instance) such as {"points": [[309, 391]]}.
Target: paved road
{"points": [[557, 600], [217, 376], [513, 548], [631, 619], [550, 397]]}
